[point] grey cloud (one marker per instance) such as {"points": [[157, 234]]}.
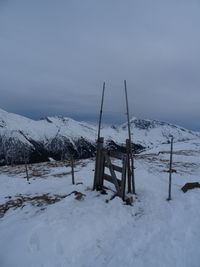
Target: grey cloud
{"points": [[55, 56]]}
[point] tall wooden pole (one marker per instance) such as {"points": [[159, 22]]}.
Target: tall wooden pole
{"points": [[129, 134], [170, 170], [99, 146], [101, 111]]}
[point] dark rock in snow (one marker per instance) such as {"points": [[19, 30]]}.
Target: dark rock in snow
{"points": [[189, 186]]}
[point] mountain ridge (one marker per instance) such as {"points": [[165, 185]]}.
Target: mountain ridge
{"points": [[23, 139]]}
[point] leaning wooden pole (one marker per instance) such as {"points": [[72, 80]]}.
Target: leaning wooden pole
{"points": [[99, 146], [170, 170], [101, 111], [129, 134]]}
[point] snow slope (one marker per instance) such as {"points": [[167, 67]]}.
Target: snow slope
{"points": [[93, 232], [45, 128]]}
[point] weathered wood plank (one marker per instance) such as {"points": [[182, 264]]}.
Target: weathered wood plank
{"points": [[109, 178], [115, 167], [115, 155], [114, 177]]}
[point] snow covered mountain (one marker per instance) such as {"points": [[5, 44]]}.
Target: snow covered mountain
{"points": [[23, 139]]}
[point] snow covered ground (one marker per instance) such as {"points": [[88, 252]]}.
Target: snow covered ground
{"points": [[92, 231]]}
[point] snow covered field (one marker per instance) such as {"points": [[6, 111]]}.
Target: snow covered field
{"points": [[95, 231]]}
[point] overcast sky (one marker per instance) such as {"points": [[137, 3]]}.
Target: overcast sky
{"points": [[55, 55]]}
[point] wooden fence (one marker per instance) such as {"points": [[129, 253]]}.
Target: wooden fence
{"points": [[104, 163]]}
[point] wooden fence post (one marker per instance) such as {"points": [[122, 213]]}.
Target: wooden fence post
{"points": [[98, 176], [26, 169], [129, 135], [102, 168], [72, 169], [123, 183], [170, 170], [128, 165]]}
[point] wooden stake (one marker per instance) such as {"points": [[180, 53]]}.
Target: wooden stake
{"points": [[26, 168], [72, 169], [129, 134], [170, 170]]}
